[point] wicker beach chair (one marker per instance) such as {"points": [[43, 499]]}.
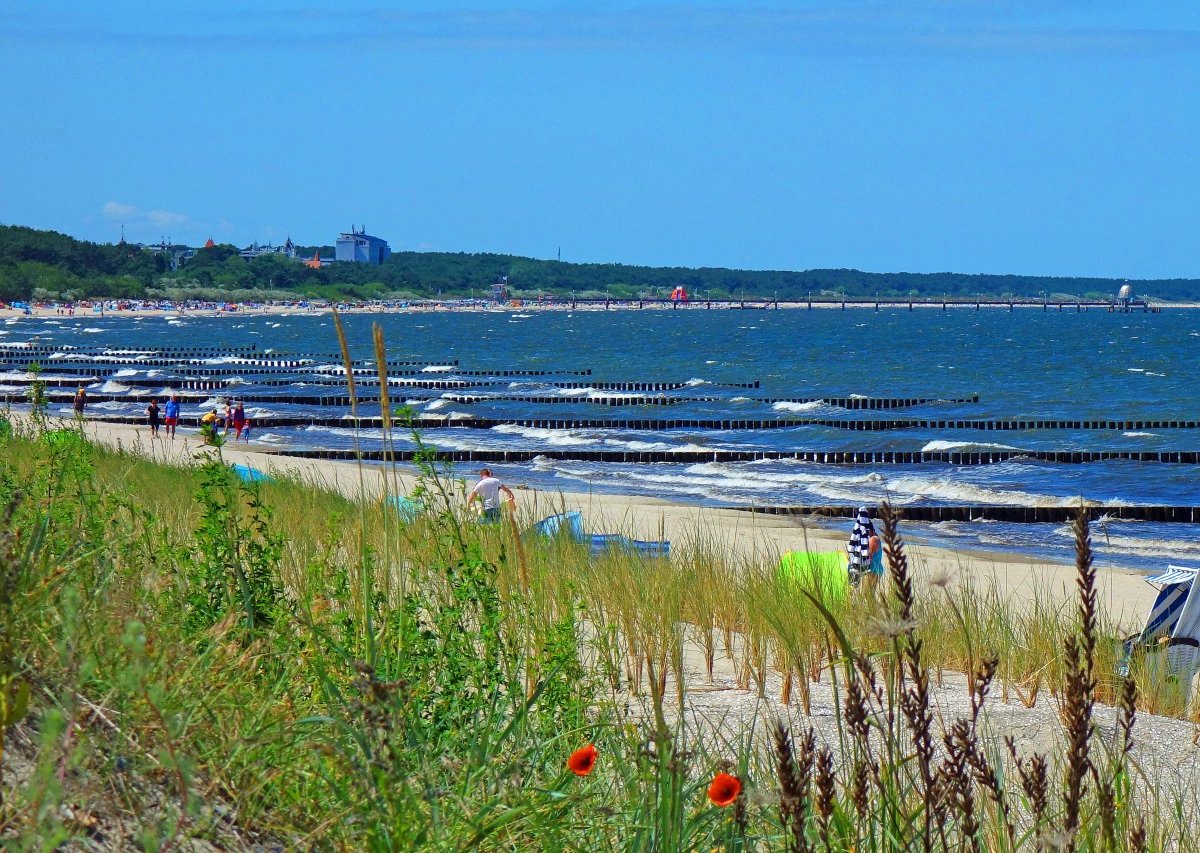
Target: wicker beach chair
{"points": [[1170, 641]]}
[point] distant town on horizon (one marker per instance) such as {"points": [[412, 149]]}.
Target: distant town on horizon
{"points": [[42, 264]]}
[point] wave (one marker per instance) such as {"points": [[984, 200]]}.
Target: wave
{"points": [[126, 372], [1140, 434], [912, 488], [91, 330], [794, 407], [694, 381], [112, 387], [557, 437], [438, 368], [940, 445]]}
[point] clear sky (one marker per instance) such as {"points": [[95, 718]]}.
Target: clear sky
{"points": [[1038, 137]]}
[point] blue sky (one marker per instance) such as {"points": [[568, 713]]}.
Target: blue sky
{"points": [[1051, 137]]}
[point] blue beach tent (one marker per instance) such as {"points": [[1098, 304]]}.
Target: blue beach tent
{"points": [[570, 524], [249, 475], [406, 508]]}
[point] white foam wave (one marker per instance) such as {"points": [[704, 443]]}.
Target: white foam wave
{"points": [[694, 381], [797, 407], [126, 372], [91, 330], [111, 387], [940, 445], [913, 488], [438, 368], [557, 437], [1139, 434]]}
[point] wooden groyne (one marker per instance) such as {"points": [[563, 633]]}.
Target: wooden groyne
{"points": [[428, 422], [1011, 514], [818, 457]]}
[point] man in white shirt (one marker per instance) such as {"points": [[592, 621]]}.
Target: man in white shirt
{"points": [[487, 491]]}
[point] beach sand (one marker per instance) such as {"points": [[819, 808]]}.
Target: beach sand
{"points": [[744, 536]]}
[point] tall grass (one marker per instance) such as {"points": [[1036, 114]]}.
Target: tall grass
{"points": [[218, 660]]}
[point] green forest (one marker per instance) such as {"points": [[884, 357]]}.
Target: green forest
{"points": [[47, 265]]}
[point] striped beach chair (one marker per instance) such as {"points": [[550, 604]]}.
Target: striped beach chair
{"points": [[1171, 638]]}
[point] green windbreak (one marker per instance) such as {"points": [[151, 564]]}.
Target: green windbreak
{"points": [[813, 569]]}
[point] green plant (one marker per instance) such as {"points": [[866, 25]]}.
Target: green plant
{"points": [[234, 566]]}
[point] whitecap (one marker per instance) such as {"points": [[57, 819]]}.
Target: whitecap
{"points": [[558, 437], [940, 445], [785, 406]]}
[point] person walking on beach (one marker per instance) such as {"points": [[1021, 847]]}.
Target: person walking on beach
{"points": [[227, 420], [80, 401], [487, 491], [152, 418], [239, 421], [171, 415]]}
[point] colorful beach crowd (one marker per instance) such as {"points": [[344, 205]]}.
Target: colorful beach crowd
{"points": [[166, 418]]}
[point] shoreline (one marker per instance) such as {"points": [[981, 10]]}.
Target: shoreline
{"points": [[426, 306], [742, 537]]}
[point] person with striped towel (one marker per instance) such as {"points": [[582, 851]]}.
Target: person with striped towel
{"points": [[859, 546]]}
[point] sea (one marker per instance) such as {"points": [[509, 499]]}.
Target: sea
{"points": [[1027, 364]]}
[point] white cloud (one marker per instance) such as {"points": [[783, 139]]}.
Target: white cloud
{"points": [[166, 218], [116, 210]]}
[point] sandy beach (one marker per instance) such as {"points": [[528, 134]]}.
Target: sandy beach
{"points": [[751, 537]]}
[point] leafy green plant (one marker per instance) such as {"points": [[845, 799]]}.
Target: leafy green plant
{"points": [[234, 565]]}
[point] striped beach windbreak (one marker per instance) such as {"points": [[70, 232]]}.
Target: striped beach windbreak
{"points": [[859, 546]]}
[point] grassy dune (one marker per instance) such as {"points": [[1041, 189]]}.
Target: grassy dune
{"points": [[186, 658]]}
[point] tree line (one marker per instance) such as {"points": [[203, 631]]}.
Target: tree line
{"points": [[36, 264]]}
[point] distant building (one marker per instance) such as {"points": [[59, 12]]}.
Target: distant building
{"points": [[176, 256], [316, 261], [288, 249], [361, 248]]}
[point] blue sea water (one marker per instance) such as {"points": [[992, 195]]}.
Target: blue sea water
{"points": [[1025, 364]]}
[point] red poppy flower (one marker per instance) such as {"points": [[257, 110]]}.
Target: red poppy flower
{"points": [[583, 760], [724, 789]]}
